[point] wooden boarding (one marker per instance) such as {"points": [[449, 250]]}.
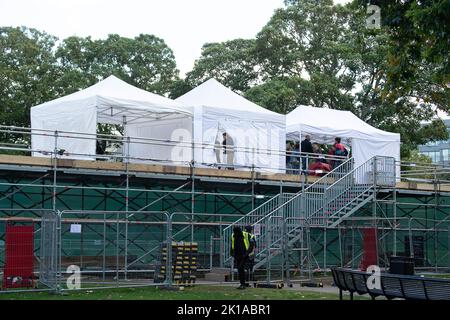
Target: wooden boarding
{"points": [[23, 160], [186, 171], [147, 168], [423, 186]]}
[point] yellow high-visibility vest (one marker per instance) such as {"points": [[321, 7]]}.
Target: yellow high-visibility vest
{"points": [[246, 242], [251, 236]]}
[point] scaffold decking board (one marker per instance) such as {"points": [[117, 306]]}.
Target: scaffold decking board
{"points": [[148, 168], [423, 186], [185, 171], [23, 160]]}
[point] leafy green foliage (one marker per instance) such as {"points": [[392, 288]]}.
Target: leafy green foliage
{"points": [[232, 63], [280, 94], [416, 157], [34, 70], [419, 31], [308, 40], [179, 88], [310, 52], [145, 62], [315, 53], [27, 73]]}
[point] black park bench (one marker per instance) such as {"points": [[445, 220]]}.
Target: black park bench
{"points": [[392, 285]]}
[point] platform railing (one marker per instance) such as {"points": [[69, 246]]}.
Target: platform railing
{"points": [[17, 141], [419, 172]]}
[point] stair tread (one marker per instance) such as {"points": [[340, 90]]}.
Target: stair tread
{"points": [[319, 211]]}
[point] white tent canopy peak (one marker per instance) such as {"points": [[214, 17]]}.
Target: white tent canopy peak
{"points": [[252, 128], [213, 94], [112, 93]]}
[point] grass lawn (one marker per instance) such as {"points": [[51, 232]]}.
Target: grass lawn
{"points": [[202, 292]]}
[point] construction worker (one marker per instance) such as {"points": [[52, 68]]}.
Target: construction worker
{"points": [[251, 253], [239, 251]]}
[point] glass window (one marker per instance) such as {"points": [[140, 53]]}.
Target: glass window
{"points": [[435, 156], [445, 154]]}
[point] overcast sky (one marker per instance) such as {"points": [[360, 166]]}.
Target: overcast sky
{"points": [[185, 25]]}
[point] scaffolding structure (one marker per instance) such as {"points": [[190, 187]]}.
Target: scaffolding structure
{"points": [[126, 214]]}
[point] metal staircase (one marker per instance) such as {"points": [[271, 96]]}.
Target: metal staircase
{"points": [[352, 191], [282, 214], [325, 203]]}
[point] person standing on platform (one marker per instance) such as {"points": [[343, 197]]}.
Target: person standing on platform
{"points": [[339, 150], [295, 158], [251, 253], [306, 147], [239, 251], [289, 159], [228, 150]]}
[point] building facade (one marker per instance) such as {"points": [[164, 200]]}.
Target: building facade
{"points": [[438, 151]]}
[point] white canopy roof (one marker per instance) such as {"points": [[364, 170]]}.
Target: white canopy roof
{"points": [[258, 134], [110, 101], [216, 96], [335, 123], [115, 99], [325, 124]]}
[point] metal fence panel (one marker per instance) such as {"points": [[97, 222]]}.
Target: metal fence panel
{"points": [[49, 250]]}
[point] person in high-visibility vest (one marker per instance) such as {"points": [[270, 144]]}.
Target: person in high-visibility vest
{"points": [[251, 253], [239, 250]]}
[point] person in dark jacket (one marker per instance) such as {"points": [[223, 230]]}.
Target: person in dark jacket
{"points": [[295, 158], [239, 251], [306, 146], [228, 150]]}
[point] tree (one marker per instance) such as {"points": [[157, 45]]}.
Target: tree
{"points": [[27, 73], [33, 70], [79, 64], [280, 94], [233, 63], [179, 88], [145, 62], [308, 39], [382, 105], [315, 53], [419, 31]]}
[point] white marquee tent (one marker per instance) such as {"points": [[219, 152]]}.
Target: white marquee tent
{"points": [[325, 124], [258, 134], [113, 101]]}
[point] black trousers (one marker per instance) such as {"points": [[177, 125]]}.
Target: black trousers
{"points": [[241, 272], [249, 270]]}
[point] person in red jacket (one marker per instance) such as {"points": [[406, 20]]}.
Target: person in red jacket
{"points": [[338, 146], [339, 150]]}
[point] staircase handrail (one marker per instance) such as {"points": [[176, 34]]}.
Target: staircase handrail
{"points": [[300, 193], [348, 173], [373, 159]]}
